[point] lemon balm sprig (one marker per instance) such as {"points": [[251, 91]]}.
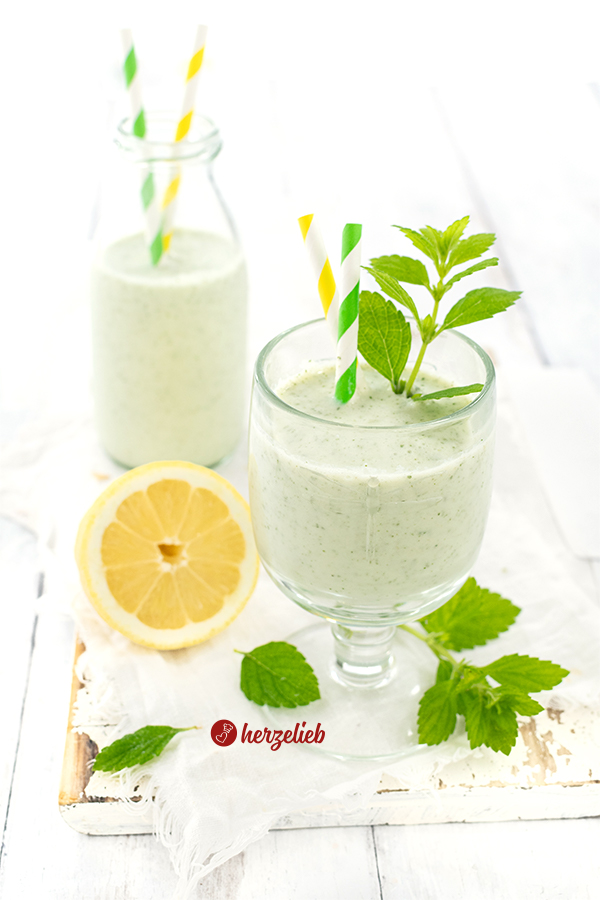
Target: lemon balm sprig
{"points": [[384, 337]]}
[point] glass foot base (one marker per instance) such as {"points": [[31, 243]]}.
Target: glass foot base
{"points": [[361, 723]]}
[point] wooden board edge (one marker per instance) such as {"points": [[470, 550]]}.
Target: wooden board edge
{"points": [[80, 750], [110, 815]]}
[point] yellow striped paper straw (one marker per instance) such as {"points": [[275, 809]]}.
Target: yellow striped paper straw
{"points": [[153, 215], [183, 127], [347, 344], [321, 267]]}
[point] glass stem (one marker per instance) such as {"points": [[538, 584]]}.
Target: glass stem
{"points": [[363, 656]]}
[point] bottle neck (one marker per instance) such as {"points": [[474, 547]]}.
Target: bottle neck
{"points": [[158, 147]]}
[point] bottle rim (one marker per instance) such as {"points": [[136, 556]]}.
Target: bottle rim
{"points": [[203, 141]]}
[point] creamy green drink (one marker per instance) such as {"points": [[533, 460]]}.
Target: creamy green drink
{"points": [[371, 453], [169, 348], [376, 506]]}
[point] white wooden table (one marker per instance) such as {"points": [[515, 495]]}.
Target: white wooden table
{"points": [[525, 166]]}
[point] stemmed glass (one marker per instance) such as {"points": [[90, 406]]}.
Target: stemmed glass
{"points": [[368, 527]]}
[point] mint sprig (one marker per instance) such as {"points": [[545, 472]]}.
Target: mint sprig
{"points": [[276, 674], [471, 618], [446, 250]]}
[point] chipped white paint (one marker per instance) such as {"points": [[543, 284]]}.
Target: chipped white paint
{"points": [[552, 772]]}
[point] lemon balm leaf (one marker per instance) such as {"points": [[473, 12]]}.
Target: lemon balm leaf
{"points": [[277, 674], [472, 617], [444, 671], [482, 303], [449, 392], [437, 713], [494, 725], [526, 673], [470, 248], [522, 702], [422, 242], [483, 264], [403, 268], [384, 336], [392, 287], [136, 748], [452, 235]]}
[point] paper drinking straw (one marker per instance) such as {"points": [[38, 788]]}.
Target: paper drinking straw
{"points": [[132, 83], [322, 271], [347, 342], [183, 127], [191, 84], [153, 215]]}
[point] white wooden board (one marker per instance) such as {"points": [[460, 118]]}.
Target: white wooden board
{"points": [[553, 772]]}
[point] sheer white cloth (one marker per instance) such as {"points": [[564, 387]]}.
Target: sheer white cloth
{"points": [[210, 802]]}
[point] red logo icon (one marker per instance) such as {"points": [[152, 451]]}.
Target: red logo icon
{"points": [[223, 733]]}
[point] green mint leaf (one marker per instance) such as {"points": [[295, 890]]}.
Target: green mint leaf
{"points": [[422, 242], [136, 748], [493, 724], [437, 713], [276, 674], [484, 264], [521, 702], [394, 289], [470, 248], [471, 618], [482, 303], [445, 671], [526, 673], [384, 336], [451, 236], [404, 268], [449, 392], [435, 238]]}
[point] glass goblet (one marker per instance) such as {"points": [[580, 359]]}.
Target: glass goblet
{"points": [[368, 527]]}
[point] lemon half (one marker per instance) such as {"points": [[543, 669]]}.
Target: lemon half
{"points": [[166, 554]]}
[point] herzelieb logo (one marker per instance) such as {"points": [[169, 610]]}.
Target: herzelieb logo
{"points": [[223, 732]]}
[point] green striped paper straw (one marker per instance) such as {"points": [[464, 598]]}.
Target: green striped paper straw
{"points": [[347, 343], [152, 211], [132, 83]]}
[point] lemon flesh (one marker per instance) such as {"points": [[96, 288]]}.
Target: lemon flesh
{"points": [[166, 554]]}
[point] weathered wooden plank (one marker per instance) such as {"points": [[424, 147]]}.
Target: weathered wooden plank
{"points": [[18, 591], [324, 864], [43, 857], [531, 156], [508, 860]]}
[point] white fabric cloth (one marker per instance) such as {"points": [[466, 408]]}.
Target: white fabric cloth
{"points": [[211, 802]]}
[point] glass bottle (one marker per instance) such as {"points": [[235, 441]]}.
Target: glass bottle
{"points": [[169, 296]]}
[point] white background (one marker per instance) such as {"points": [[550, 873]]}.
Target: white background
{"points": [[382, 112], [387, 112]]}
